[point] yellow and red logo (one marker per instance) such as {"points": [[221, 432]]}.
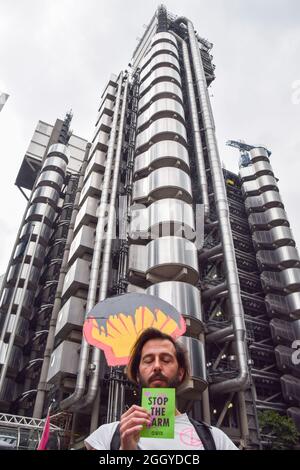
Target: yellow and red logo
{"points": [[114, 324]]}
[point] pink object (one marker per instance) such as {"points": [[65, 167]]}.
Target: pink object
{"points": [[45, 436]]}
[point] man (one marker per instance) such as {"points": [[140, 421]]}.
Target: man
{"points": [[156, 361]]}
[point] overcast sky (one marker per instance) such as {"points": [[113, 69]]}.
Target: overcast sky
{"points": [[57, 54]]}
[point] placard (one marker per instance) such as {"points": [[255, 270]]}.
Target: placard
{"points": [[160, 402]]}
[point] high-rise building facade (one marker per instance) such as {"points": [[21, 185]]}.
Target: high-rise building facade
{"points": [[147, 207]]}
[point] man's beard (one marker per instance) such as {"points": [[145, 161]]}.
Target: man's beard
{"points": [[173, 382]]}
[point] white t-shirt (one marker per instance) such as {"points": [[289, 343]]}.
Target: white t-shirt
{"points": [[186, 438]]}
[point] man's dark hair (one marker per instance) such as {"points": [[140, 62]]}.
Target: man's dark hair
{"points": [[132, 369]]}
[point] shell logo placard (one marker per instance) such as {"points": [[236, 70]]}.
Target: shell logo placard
{"points": [[114, 324]]}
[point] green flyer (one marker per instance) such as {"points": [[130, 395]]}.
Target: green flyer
{"points": [[160, 402]]}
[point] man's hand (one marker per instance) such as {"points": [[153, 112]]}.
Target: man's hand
{"points": [[131, 424]]}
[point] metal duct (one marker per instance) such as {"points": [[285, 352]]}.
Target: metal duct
{"points": [[242, 380], [209, 253]]}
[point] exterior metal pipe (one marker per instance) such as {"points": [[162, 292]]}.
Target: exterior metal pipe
{"points": [[110, 399], [242, 380], [91, 300], [216, 258], [111, 214], [105, 269], [205, 394], [17, 241], [123, 263], [215, 291], [243, 418], [122, 398], [195, 126], [224, 411], [116, 399], [219, 334], [42, 386], [8, 313]]}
